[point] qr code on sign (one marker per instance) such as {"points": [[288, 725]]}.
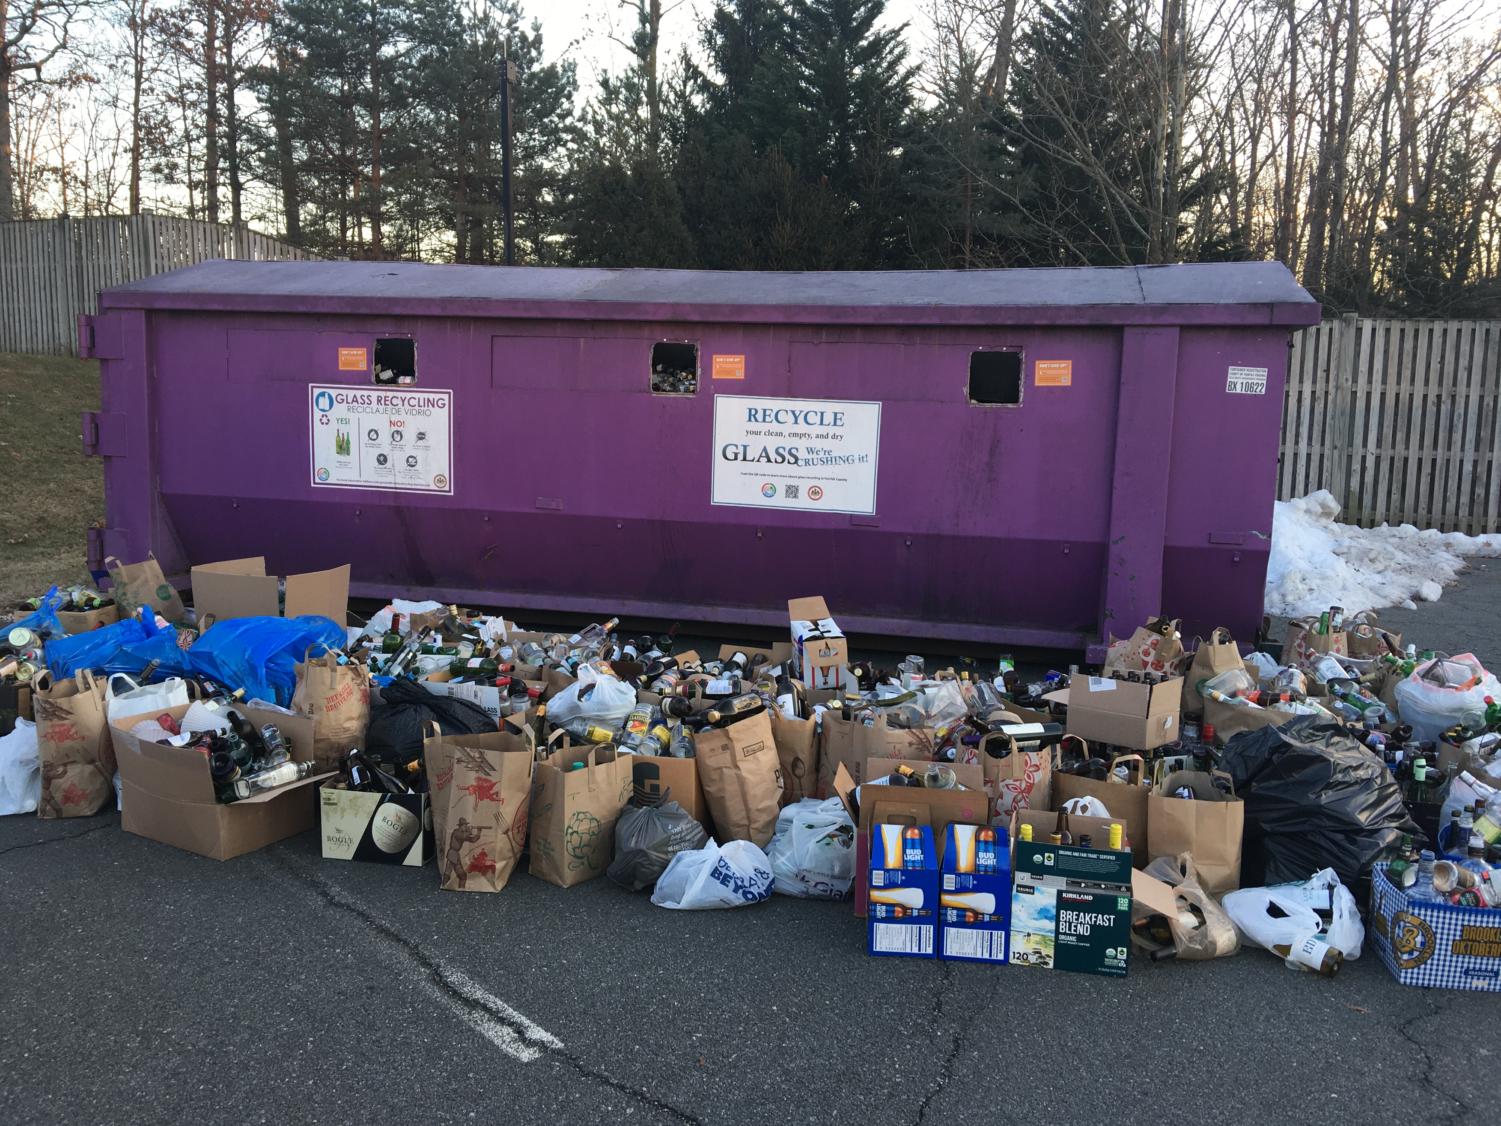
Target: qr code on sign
{"points": [[791, 492]]}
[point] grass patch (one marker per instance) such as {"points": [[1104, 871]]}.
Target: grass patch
{"points": [[52, 493]]}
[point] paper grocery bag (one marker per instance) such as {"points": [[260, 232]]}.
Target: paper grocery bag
{"points": [[1207, 826], [881, 740], [1229, 720], [797, 752], [741, 777], [480, 789], [1364, 638], [1019, 780], [337, 698], [143, 584], [1126, 801], [1301, 645], [574, 810], [836, 748], [1145, 650], [1216, 655], [73, 746]]}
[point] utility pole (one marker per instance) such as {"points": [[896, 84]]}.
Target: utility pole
{"points": [[508, 77]]}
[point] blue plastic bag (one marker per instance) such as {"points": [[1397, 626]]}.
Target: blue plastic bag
{"points": [[97, 648], [260, 655], [171, 659], [45, 620]]}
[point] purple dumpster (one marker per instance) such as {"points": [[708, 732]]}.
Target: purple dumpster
{"points": [[1023, 457]]}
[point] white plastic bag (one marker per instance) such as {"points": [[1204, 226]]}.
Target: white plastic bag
{"points": [[600, 699], [139, 699], [1265, 664], [942, 702], [1296, 916], [20, 770], [714, 877], [812, 853], [1463, 793], [201, 717], [1086, 807], [1445, 691]]}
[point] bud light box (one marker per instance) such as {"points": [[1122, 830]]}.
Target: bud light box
{"points": [[974, 897], [1438, 945], [381, 828], [903, 892]]}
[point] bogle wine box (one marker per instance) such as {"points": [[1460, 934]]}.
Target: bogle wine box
{"points": [[382, 828]]}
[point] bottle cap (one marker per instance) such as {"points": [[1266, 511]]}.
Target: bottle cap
{"points": [[1026, 832], [1117, 836]]}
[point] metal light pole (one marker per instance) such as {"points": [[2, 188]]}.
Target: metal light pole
{"points": [[509, 77]]}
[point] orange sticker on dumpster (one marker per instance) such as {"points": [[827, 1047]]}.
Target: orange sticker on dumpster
{"points": [[354, 359], [1055, 373], [729, 367]]}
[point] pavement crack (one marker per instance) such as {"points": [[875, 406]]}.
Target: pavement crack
{"points": [[444, 979], [946, 1068], [1461, 1108], [59, 840]]}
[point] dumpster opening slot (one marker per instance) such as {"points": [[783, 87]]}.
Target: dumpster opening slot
{"points": [[995, 378], [674, 368], [395, 360]]}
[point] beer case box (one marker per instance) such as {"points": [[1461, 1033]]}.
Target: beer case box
{"points": [[486, 697], [1122, 712], [819, 649], [902, 886], [970, 929], [1071, 906], [1434, 945], [167, 794], [933, 809], [375, 827], [240, 588]]}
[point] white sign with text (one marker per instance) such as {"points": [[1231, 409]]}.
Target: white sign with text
{"points": [[808, 455]]}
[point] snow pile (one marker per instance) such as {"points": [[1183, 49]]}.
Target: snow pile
{"points": [[1317, 563]]}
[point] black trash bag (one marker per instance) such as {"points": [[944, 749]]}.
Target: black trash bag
{"points": [[1315, 798], [646, 838], [399, 722]]}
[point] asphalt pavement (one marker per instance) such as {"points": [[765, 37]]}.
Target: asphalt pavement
{"points": [[145, 984]]}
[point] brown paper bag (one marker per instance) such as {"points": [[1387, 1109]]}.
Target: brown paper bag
{"points": [[1365, 637], [573, 812], [1145, 650], [1229, 720], [741, 778], [1301, 645], [836, 748], [480, 789], [881, 740], [1020, 780], [1127, 802], [143, 584], [797, 752], [1214, 656], [1207, 826], [73, 746], [337, 697], [83, 621]]}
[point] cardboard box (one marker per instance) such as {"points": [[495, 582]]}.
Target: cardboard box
{"points": [[902, 886], [1071, 906], [1432, 944], [819, 649], [495, 702], [674, 779], [240, 588], [778, 654], [15, 703], [1124, 713], [169, 797], [974, 896], [937, 809], [381, 828]]}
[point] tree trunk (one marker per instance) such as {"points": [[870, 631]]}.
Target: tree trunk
{"points": [[7, 163], [1335, 264], [1000, 64], [137, 28], [376, 250], [1287, 219], [232, 122], [211, 109], [653, 94], [286, 161]]}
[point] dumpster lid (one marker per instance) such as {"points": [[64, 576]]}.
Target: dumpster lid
{"points": [[1203, 292]]}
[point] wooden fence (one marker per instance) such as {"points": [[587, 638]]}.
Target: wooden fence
{"points": [[51, 270], [1399, 419]]}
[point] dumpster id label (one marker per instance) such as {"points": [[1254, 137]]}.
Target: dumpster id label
{"points": [[381, 438], [729, 367], [1053, 373], [1246, 381], [807, 455]]}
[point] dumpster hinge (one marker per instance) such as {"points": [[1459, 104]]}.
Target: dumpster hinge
{"points": [[85, 337], [100, 337], [95, 560], [104, 434]]}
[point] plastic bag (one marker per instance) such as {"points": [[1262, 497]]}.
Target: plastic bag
{"points": [[200, 717], [133, 699], [1201, 929], [714, 877], [1445, 691], [163, 647], [1289, 914], [1463, 793], [646, 840], [20, 770], [943, 702], [95, 650], [605, 700], [260, 655], [398, 724], [44, 619], [1265, 664], [1086, 807], [1315, 798], [812, 853]]}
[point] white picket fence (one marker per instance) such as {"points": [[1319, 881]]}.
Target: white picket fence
{"points": [[1399, 419], [51, 270]]}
